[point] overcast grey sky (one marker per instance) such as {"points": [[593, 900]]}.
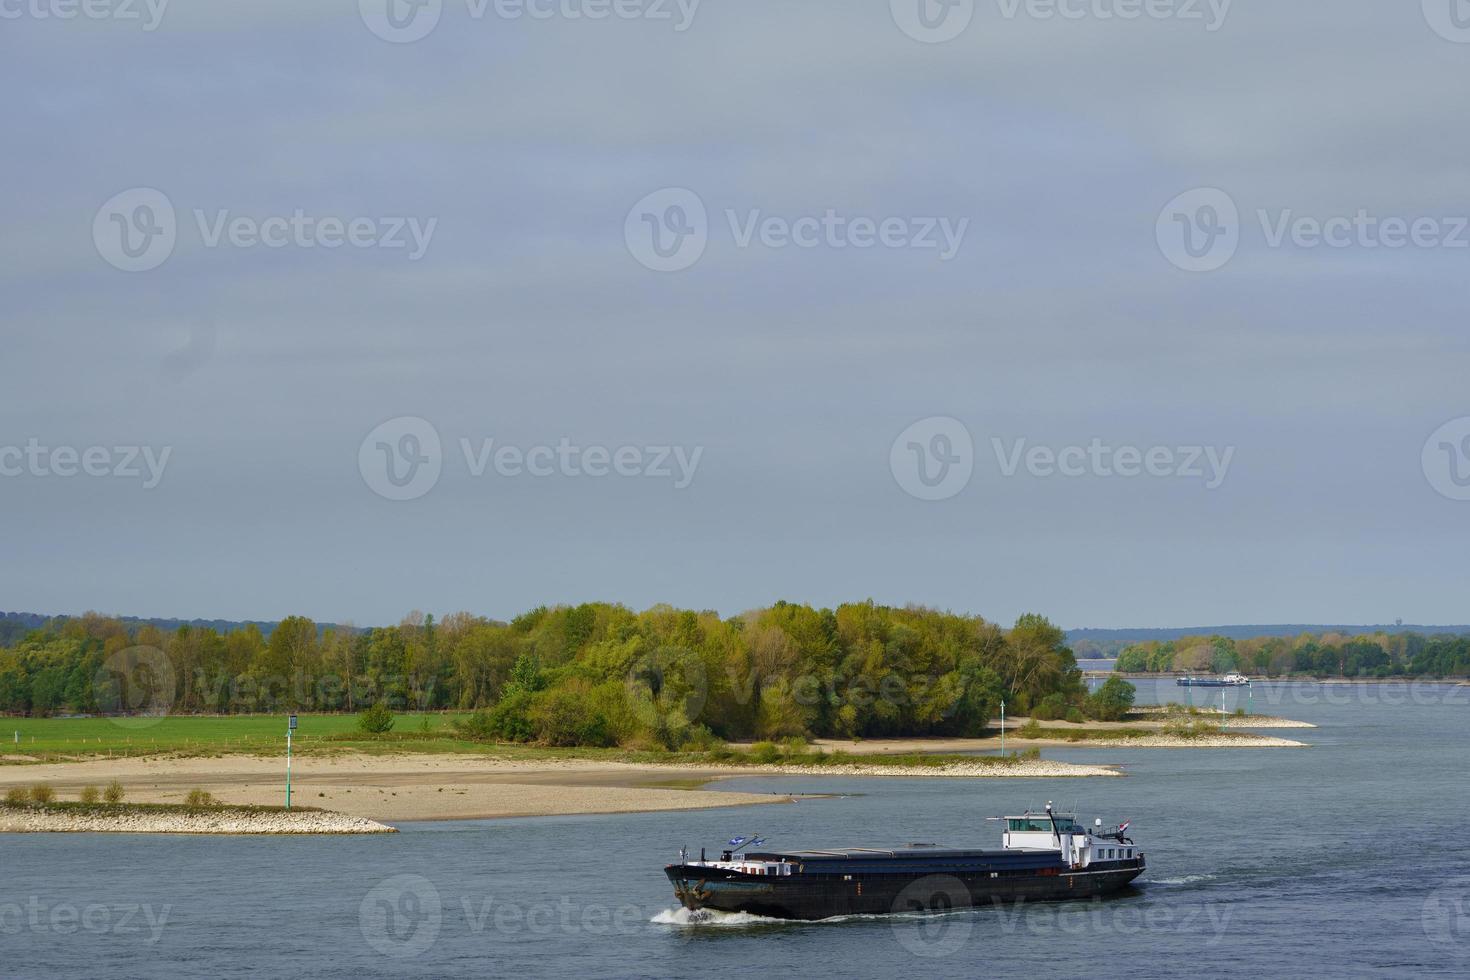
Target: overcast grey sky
{"points": [[771, 269]]}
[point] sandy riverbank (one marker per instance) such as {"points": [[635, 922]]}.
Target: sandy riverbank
{"points": [[1226, 719], [1097, 738], [30, 821], [462, 787]]}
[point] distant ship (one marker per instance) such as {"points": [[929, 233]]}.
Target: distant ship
{"points": [[1043, 856], [1229, 680]]}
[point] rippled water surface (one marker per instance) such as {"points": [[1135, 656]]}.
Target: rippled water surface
{"points": [[1348, 858]]}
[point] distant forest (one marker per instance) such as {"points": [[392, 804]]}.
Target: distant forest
{"points": [[594, 674], [1094, 643], [1329, 654]]}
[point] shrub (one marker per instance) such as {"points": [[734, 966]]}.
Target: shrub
{"points": [[1075, 716], [565, 716], [377, 720], [795, 745], [42, 793], [1179, 728], [1111, 701], [701, 739], [17, 794], [1051, 708], [113, 793], [198, 797], [765, 752], [1029, 730], [91, 794], [509, 720]]}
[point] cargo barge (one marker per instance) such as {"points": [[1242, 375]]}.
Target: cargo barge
{"points": [[1043, 856]]}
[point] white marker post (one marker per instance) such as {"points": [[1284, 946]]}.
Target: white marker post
{"points": [[1002, 728], [290, 727]]}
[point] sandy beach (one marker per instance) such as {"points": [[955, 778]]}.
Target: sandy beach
{"points": [[462, 787], [224, 821]]}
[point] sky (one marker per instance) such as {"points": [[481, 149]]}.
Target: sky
{"points": [[1130, 314]]}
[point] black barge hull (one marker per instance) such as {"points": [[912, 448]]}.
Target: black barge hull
{"points": [[811, 896]]}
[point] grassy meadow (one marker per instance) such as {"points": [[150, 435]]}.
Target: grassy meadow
{"points": [[55, 739], [75, 739]]}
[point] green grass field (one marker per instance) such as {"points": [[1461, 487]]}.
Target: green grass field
{"points": [[67, 739], [43, 739]]}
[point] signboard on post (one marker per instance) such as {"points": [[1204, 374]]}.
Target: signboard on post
{"points": [[290, 727]]}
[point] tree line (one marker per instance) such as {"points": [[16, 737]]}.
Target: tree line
{"points": [[1379, 655], [595, 673]]}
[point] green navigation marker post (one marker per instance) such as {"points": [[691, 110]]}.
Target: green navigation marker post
{"points": [[1002, 728], [290, 727]]}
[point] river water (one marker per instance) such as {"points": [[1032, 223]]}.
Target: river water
{"points": [[1348, 858]]}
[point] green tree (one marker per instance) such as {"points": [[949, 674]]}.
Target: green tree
{"points": [[377, 720]]}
